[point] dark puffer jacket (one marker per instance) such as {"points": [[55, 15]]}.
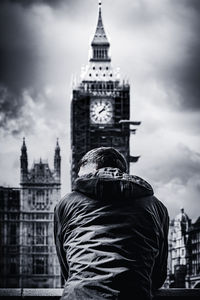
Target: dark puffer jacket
{"points": [[111, 238]]}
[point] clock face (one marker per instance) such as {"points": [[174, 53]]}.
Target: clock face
{"points": [[101, 111]]}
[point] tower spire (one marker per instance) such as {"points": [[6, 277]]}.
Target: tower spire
{"points": [[100, 43], [24, 161], [57, 161], [23, 148], [100, 35]]}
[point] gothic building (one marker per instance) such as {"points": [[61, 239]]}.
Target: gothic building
{"points": [[10, 235], [29, 255], [184, 252], [178, 238], [193, 263], [100, 107]]}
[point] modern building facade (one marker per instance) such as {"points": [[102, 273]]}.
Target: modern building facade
{"points": [[100, 108], [29, 255], [184, 252]]}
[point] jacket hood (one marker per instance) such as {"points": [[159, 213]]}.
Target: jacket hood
{"points": [[111, 183]]}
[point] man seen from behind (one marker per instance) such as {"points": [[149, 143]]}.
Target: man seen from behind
{"points": [[110, 232]]}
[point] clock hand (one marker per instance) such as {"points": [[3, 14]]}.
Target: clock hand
{"points": [[102, 110]]}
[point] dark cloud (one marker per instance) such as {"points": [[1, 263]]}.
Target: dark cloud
{"points": [[191, 4], [10, 108], [53, 3], [184, 76], [18, 59], [22, 43], [27, 56], [187, 77], [177, 25], [7, 103], [18, 50], [26, 3]]}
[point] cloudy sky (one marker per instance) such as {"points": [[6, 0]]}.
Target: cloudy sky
{"points": [[44, 44]]}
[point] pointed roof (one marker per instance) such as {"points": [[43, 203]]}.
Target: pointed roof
{"points": [[57, 150], [57, 145], [23, 148], [100, 35], [197, 221], [182, 216]]}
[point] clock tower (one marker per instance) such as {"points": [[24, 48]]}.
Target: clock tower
{"points": [[100, 107]]}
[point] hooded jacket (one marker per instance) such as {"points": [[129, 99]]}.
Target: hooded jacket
{"points": [[111, 238]]}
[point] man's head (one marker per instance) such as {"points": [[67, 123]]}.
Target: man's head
{"points": [[100, 158]]}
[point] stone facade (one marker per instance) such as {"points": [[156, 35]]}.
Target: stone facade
{"points": [[193, 272], [184, 252], [27, 217], [10, 235]]}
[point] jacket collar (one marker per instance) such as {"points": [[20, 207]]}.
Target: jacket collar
{"points": [[111, 183]]}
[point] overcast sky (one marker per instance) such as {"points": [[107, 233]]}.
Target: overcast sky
{"points": [[156, 44]]}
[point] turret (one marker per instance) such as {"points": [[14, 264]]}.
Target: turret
{"points": [[57, 162], [185, 221], [23, 162]]}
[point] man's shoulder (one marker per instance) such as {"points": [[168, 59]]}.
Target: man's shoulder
{"points": [[160, 210], [152, 203], [66, 200], [161, 205]]}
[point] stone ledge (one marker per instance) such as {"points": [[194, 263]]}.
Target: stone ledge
{"points": [[55, 294]]}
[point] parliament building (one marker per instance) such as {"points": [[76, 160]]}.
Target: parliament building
{"points": [[100, 116], [100, 113], [100, 108], [27, 251]]}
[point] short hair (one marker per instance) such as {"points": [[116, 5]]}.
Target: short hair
{"points": [[104, 157]]}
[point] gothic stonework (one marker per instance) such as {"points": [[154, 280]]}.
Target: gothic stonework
{"points": [[40, 191], [100, 105], [28, 256]]}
